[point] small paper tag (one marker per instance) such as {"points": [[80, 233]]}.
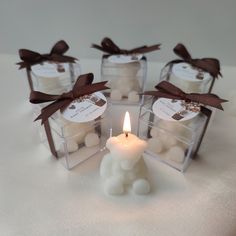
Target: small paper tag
{"points": [[86, 109], [123, 59], [172, 110], [187, 72], [50, 70]]}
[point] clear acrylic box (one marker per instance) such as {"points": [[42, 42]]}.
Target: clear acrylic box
{"points": [[74, 142], [189, 79], [171, 142], [52, 77], [126, 80]]}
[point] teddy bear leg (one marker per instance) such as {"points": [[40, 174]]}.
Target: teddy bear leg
{"points": [[91, 139], [114, 185], [71, 146], [141, 186]]}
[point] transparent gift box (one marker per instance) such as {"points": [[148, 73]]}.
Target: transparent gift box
{"points": [[126, 76], [75, 142], [173, 142], [52, 72], [52, 77], [187, 77]]}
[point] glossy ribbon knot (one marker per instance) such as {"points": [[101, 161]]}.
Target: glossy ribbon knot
{"points": [[210, 65], [168, 90], [108, 46], [56, 54], [83, 86]]}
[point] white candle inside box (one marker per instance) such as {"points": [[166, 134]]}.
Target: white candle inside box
{"points": [[124, 165], [79, 133], [166, 136], [189, 79], [78, 121], [122, 77], [54, 77]]}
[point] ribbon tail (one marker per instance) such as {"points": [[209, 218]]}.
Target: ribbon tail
{"points": [[135, 50], [92, 88], [21, 65], [145, 49], [160, 94], [39, 97], [169, 88], [47, 111], [100, 48], [207, 99], [62, 58], [99, 86]]}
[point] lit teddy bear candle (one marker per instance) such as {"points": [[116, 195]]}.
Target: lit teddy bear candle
{"points": [[124, 165]]}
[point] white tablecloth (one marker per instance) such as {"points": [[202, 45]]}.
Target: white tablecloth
{"points": [[38, 196]]}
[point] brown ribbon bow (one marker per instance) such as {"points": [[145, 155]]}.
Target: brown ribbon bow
{"points": [[168, 90], [210, 65], [83, 86], [108, 46], [30, 58]]}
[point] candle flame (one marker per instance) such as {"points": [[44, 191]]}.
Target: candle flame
{"points": [[126, 124]]}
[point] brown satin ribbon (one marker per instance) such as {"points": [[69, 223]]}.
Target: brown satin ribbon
{"points": [[210, 65], [108, 46], [30, 58], [83, 86], [168, 90]]}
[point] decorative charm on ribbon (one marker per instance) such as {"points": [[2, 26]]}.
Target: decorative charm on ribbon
{"points": [[109, 47]]}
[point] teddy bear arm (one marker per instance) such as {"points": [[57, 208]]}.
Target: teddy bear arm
{"points": [[106, 166]]}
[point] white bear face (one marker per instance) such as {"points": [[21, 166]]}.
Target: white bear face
{"points": [[126, 150]]}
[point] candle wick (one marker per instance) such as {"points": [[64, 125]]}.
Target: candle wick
{"points": [[126, 134]]}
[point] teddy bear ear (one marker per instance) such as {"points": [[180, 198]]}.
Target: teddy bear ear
{"points": [[142, 145], [111, 142]]}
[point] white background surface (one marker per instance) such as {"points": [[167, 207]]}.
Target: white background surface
{"points": [[39, 197], [207, 27]]}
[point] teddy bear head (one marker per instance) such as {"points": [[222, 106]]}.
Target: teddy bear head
{"points": [[127, 151]]}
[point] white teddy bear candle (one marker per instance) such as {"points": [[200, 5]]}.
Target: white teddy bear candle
{"points": [[174, 123], [123, 79], [172, 129], [79, 133], [124, 166], [54, 78], [189, 78], [125, 69], [73, 121]]}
